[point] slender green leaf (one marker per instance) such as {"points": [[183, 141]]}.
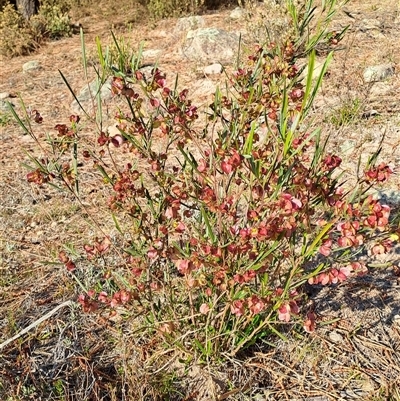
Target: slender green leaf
{"points": [[209, 230], [73, 93]]}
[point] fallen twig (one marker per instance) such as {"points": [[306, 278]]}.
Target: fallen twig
{"points": [[36, 323]]}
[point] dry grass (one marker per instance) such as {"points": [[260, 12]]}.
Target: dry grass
{"points": [[71, 356]]}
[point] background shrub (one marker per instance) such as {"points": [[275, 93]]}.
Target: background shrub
{"points": [[16, 37], [20, 36], [54, 14]]}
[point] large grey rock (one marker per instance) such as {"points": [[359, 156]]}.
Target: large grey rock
{"points": [[378, 72], [188, 23], [151, 53], [87, 95], [211, 45], [237, 13], [30, 66]]}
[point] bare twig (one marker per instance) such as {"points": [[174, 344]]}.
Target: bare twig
{"points": [[36, 323]]}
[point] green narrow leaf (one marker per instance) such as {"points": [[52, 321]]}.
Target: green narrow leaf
{"points": [[307, 91], [116, 223], [305, 278], [309, 99], [35, 161], [209, 230], [189, 158], [79, 283], [99, 111], [322, 233], [84, 58], [75, 166], [73, 93], [16, 116], [200, 347], [150, 202], [276, 332], [103, 173], [248, 146]]}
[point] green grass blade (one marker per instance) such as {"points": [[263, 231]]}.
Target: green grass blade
{"points": [[19, 121], [84, 58], [209, 230], [312, 248], [73, 94]]}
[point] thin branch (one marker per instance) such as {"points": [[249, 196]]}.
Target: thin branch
{"points": [[36, 323]]}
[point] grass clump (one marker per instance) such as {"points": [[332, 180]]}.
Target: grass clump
{"points": [[159, 9], [348, 113], [5, 118]]}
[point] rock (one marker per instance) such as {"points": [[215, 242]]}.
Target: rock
{"points": [[368, 24], [188, 23], [237, 13], [213, 69], [336, 337], [203, 88], [32, 65], [88, 94], [378, 72], [376, 34], [4, 95], [390, 197], [3, 106], [211, 44], [113, 130], [147, 70], [370, 113], [151, 53], [347, 147], [380, 88]]}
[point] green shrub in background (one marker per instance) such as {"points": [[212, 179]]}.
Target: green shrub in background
{"points": [[171, 8], [54, 13], [15, 35], [21, 37]]}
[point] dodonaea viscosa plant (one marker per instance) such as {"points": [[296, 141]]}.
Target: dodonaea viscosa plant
{"points": [[223, 219]]}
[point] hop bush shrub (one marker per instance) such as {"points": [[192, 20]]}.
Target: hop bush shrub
{"points": [[16, 37], [56, 18], [224, 214], [21, 37], [171, 8]]}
